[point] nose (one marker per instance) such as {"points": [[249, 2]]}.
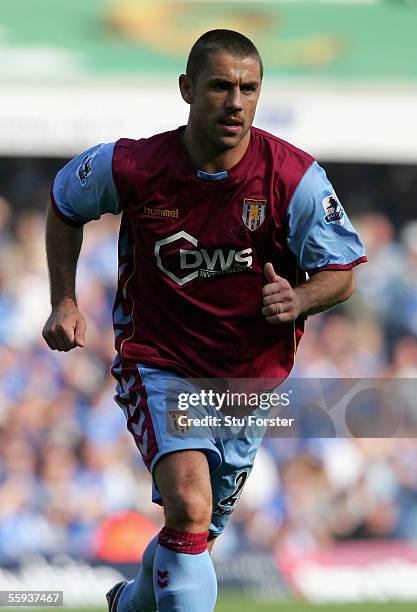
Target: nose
{"points": [[234, 101]]}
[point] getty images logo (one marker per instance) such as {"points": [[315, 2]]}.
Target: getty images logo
{"points": [[198, 262]]}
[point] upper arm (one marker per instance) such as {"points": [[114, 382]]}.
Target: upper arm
{"points": [[84, 188], [320, 233]]}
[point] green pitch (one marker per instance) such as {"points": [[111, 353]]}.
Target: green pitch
{"points": [[238, 604]]}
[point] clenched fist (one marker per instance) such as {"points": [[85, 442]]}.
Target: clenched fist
{"points": [[65, 328], [281, 302]]}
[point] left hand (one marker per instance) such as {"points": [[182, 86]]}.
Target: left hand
{"points": [[281, 302]]}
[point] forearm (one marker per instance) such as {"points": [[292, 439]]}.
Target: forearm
{"points": [[63, 245], [325, 290]]}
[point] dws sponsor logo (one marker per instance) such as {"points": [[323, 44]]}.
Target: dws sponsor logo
{"points": [[204, 263]]}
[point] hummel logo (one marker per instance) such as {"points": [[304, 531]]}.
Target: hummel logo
{"points": [[163, 574], [162, 583], [161, 212]]}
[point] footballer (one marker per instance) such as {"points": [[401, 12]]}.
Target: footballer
{"points": [[230, 237]]}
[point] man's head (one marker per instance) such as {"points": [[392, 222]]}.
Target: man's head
{"points": [[222, 85]]}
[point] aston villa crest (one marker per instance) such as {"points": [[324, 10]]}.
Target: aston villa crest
{"points": [[178, 422], [253, 214]]}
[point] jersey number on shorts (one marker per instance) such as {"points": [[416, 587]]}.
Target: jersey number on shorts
{"points": [[239, 484]]}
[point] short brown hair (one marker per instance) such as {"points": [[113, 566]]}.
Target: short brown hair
{"points": [[220, 41]]}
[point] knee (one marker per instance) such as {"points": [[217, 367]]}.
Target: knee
{"points": [[188, 510]]}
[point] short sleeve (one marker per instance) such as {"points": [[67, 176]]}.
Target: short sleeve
{"points": [[320, 233], [84, 188]]}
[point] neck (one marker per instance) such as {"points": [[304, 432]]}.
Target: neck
{"points": [[210, 160]]}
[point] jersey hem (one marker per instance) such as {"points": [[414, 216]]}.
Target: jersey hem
{"points": [[132, 359]]}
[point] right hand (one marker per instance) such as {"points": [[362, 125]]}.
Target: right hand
{"points": [[65, 328]]}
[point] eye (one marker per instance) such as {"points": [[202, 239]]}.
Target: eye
{"points": [[248, 88], [221, 86]]}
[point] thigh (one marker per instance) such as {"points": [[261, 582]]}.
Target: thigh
{"points": [[149, 399]]}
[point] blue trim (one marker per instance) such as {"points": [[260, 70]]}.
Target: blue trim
{"points": [[215, 176]]}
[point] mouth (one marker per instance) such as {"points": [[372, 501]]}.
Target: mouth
{"points": [[231, 124]]}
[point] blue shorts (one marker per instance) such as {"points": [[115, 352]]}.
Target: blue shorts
{"points": [[149, 399]]}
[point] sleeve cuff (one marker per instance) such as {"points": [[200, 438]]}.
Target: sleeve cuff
{"points": [[347, 266]]}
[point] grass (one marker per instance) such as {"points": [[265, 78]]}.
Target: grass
{"points": [[236, 604], [228, 603]]}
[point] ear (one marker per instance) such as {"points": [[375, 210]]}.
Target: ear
{"points": [[185, 88]]}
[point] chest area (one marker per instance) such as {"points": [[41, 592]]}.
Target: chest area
{"points": [[218, 214]]}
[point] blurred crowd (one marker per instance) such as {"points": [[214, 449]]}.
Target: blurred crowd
{"points": [[68, 466]]}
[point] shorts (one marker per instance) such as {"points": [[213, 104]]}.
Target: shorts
{"points": [[148, 397]]}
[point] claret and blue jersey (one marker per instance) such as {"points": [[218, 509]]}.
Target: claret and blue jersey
{"points": [[192, 248]]}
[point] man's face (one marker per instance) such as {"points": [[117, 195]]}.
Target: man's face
{"points": [[223, 99]]}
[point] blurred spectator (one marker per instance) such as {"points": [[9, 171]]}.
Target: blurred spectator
{"points": [[68, 468]]}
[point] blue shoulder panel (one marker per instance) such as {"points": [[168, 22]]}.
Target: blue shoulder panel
{"points": [[319, 231], [84, 188]]}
